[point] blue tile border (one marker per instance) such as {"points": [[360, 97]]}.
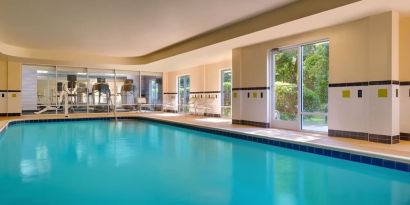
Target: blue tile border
{"points": [[386, 163]]}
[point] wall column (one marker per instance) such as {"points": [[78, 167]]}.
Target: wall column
{"points": [[370, 110]]}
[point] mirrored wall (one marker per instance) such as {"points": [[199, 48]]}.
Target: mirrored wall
{"points": [[60, 89]]}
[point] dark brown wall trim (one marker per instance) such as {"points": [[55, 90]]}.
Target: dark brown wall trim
{"points": [[383, 82], [348, 134], [196, 92], [13, 114], [385, 139], [252, 88], [405, 136], [349, 84], [204, 92], [171, 111], [17, 91], [9, 114], [212, 115], [405, 83], [251, 123]]}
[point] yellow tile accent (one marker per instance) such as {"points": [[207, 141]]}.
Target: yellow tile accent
{"points": [[14, 95], [255, 94], [235, 94], [346, 93], [382, 93]]}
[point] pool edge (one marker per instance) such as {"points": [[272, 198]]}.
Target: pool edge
{"points": [[349, 154]]}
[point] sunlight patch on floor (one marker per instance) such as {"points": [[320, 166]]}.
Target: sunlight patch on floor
{"points": [[168, 114], [301, 137]]}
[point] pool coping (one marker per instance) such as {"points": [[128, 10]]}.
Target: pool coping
{"points": [[349, 154]]}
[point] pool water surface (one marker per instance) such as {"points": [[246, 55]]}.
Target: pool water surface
{"points": [[144, 162]]}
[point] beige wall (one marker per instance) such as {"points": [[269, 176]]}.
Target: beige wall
{"points": [[10, 79], [3, 75], [10, 75], [405, 49], [14, 75], [202, 78], [358, 52]]}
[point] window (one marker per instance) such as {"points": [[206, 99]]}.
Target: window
{"points": [[39, 90], [151, 90], [183, 93], [57, 89]]}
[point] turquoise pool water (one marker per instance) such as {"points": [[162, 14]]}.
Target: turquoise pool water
{"points": [[142, 162]]}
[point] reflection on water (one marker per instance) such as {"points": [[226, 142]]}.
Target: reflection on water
{"points": [[35, 167], [133, 162]]}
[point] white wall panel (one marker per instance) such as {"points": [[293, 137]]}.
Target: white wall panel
{"points": [[14, 102], [381, 111], [405, 109], [254, 108], [348, 114]]}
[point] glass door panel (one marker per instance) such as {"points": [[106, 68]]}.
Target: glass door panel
{"points": [[151, 90], [183, 93], [39, 90], [286, 88], [300, 82], [101, 85], [72, 86], [127, 86], [226, 89], [315, 69]]}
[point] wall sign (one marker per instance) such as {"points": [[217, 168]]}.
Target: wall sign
{"points": [[382, 93], [346, 93]]}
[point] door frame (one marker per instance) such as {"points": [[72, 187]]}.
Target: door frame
{"points": [[298, 123], [290, 125]]}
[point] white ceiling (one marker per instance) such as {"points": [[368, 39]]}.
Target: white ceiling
{"points": [[223, 50], [117, 27]]}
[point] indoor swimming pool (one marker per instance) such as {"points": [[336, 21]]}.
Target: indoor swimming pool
{"points": [[146, 162]]}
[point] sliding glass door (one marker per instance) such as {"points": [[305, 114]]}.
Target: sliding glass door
{"points": [[315, 82], [300, 82], [226, 93], [286, 88], [183, 93]]}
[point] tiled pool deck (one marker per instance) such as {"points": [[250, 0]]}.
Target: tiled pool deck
{"points": [[349, 149]]}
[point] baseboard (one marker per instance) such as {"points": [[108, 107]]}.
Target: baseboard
{"points": [[251, 123], [349, 134], [171, 111], [384, 139], [405, 136], [212, 115], [9, 114]]}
